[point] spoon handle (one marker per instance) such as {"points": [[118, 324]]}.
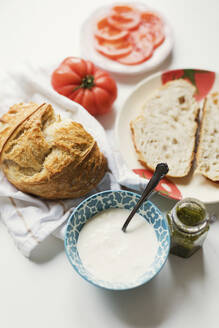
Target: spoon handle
{"points": [[160, 171]]}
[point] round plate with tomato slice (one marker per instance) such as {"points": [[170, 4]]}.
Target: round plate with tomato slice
{"points": [[124, 17], [105, 32], [127, 39], [193, 185]]}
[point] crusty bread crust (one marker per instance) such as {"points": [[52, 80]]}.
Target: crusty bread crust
{"points": [[11, 120], [207, 156], [143, 118], [200, 136], [140, 157], [50, 157]]}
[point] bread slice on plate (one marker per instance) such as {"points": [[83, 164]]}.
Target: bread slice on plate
{"points": [[208, 148], [166, 129]]}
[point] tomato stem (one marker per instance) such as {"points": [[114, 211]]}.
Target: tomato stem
{"points": [[87, 83]]}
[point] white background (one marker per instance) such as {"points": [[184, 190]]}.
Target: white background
{"points": [[44, 291]]}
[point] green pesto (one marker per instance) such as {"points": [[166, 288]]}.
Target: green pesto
{"points": [[190, 215], [184, 244]]}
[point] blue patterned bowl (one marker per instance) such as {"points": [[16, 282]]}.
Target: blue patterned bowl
{"points": [[116, 199]]}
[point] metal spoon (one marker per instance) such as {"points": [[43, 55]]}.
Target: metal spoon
{"points": [[160, 171]]}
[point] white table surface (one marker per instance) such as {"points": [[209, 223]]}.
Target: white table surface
{"points": [[44, 291]]}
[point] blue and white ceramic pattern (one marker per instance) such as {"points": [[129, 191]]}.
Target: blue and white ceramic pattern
{"points": [[116, 199]]}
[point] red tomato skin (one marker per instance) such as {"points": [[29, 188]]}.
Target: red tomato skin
{"points": [[97, 97]]}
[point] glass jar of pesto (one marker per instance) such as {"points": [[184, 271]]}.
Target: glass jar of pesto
{"points": [[188, 223]]}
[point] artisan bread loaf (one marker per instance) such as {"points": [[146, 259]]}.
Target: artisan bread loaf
{"points": [[166, 129], [13, 118], [47, 156], [208, 147]]}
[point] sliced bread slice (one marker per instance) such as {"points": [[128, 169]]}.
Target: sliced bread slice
{"points": [[166, 130], [208, 148]]}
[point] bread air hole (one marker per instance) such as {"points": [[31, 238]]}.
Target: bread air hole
{"points": [[217, 156], [181, 99], [215, 101], [19, 133], [174, 141], [47, 119], [207, 169], [9, 149]]}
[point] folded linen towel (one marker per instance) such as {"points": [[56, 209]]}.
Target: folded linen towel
{"points": [[30, 219]]}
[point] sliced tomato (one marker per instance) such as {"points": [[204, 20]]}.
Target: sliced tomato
{"points": [[152, 18], [158, 38], [142, 45], [154, 23], [140, 36], [114, 50], [134, 58], [124, 10], [124, 17], [107, 32]]}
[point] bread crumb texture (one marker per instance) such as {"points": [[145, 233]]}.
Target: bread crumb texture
{"points": [[46, 156], [166, 129]]}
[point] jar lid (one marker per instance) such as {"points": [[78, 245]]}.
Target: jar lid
{"points": [[190, 215]]}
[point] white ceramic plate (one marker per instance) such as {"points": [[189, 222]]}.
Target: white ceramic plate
{"points": [[194, 185], [89, 52]]}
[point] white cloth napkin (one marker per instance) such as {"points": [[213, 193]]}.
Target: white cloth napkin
{"points": [[30, 219]]}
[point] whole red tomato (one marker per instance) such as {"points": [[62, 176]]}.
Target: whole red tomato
{"points": [[84, 83]]}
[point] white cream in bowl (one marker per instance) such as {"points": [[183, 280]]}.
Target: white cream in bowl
{"points": [[112, 255]]}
